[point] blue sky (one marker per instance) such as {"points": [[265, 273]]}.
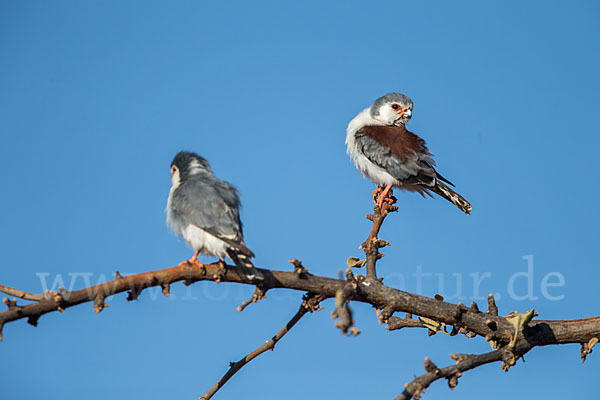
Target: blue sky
{"points": [[97, 97]]}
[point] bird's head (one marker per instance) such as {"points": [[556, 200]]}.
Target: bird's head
{"points": [[186, 164], [392, 109]]}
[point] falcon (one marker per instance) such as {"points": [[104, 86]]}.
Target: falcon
{"points": [[391, 156], [205, 211]]}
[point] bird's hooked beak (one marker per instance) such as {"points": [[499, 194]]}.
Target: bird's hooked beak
{"points": [[403, 116]]}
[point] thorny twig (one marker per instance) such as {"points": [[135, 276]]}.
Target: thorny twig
{"points": [[434, 314], [390, 300], [259, 294], [342, 309], [464, 362], [372, 245]]}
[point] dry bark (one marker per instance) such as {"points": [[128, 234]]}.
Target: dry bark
{"points": [[512, 336]]}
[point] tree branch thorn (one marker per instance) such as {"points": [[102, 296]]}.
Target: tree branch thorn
{"points": [[259, 294], [166, 289], [492, 307], [10, 303], [33, 320], [474, 308], [453, 380], [99, 303], [299, 268], [586, 348], [508, 359], [431, 367]]}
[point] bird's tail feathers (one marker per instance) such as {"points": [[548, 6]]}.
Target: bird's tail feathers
{"points": [[242, 261], [240, 246], [440, 177], [443, 190]]}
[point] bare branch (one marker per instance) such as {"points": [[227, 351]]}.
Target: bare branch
{"points": [[372, 245], [259, 294], [310, 303], [464, 362], [513, 335], [342, 309], [368, 291], [24, 295]]}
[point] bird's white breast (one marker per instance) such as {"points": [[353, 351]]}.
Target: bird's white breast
{"points": [[208, 244], [375, 173]]}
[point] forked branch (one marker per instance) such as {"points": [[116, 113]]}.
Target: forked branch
{"points": [[464, 362], [512, 336]]}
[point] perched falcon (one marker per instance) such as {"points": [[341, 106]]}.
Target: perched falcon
{"points": [[204, 210], [390, 155]]}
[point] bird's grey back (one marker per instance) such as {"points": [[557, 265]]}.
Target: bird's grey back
{"points": [[209, 203]]}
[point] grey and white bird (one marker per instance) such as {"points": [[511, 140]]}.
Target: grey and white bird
{"points": [[205, 211], [391, 156]]}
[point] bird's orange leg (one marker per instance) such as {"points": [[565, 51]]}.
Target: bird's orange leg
{"points": [[376, 193], [193, 260], [383, 196]]}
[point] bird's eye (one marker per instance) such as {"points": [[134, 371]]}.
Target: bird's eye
{"points": [[173, 170], [395, 106]]}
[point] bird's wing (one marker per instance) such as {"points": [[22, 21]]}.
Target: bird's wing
{"points": [[401, 153], [212, 205]]}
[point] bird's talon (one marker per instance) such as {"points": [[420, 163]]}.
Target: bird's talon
{"points": [[376, 193], [390, 200], [385, 196]]}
